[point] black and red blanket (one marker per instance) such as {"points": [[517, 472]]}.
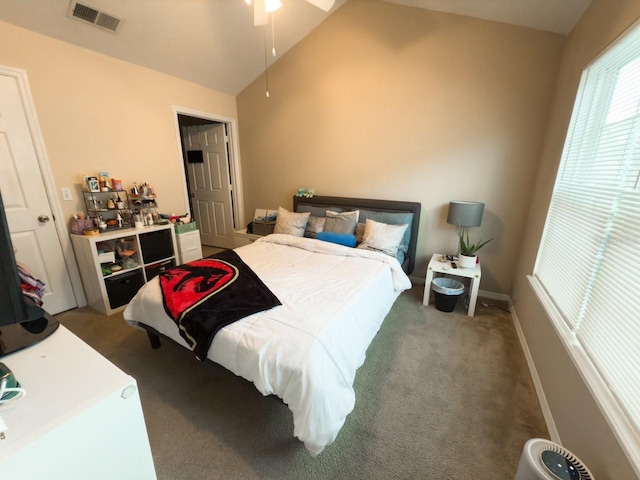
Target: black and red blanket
{"points": [[206, 295]]}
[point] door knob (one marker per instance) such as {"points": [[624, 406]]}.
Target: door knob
{"points": [[43, 218]]}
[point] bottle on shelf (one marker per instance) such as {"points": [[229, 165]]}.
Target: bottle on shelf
{"points": [[119, 202]]}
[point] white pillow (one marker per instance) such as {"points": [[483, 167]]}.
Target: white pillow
{"points": [[382, 237], [291, 223]]}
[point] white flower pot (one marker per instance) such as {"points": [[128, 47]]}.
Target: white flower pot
{"points": [[467, 262]]}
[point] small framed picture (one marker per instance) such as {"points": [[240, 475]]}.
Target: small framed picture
{"points": [[116, 184], [92, 184]]}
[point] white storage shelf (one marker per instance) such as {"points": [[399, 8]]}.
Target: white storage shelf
{"points": [[154, 250]]}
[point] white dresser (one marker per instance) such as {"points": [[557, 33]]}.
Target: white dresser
{"points": [[80, 419], [189, 246]]}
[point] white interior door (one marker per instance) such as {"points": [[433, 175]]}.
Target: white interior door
{"points": [[210, 183], [31, 225]]}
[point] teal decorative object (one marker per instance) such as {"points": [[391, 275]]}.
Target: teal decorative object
{"points": [[303, 192]]}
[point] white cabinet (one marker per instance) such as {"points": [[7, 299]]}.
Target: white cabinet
{"points": [[189, 246], [114, 266], [81, 416]]}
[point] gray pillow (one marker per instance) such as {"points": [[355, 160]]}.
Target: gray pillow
{"points": [[317, 211], [359, 232], [344, 222], [315, 225]]}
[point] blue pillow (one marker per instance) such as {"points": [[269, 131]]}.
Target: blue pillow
{"points": [[345, 239]]}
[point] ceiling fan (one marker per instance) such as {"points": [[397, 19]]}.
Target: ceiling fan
{"points": [[262, 8]]}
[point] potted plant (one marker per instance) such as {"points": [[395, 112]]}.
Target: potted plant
{"points": [[468, 257]]}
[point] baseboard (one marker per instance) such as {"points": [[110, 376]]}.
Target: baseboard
{"points": [[495, 296], [542, 399]]}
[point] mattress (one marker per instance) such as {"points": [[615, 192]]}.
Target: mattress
{"points": [[306, 351]]}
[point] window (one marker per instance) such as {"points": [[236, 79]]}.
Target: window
{"points": [[587, 273]]}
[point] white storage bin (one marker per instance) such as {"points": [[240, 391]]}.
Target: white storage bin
{"points": [[189, 246]]}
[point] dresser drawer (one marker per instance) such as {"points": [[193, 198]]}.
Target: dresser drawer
{"points": [[188, 240]]}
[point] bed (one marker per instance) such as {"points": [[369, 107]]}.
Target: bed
{"points": [[334, 299]]}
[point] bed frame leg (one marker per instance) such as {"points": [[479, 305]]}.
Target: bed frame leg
{"points": [[154, 340]]}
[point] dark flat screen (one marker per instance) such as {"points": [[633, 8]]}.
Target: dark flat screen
{"points": [[20, 335], [560, 466]]}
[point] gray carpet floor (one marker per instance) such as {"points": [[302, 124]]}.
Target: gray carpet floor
{"points": [[440, 396]]}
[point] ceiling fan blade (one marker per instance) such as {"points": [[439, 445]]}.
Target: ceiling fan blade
{"points": [[260, 16], [323, 4]]}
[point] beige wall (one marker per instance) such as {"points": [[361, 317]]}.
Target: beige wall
{"points": [[392, 102], [581, 426], [101, 114]]}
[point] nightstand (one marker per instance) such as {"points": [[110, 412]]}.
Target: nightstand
{"points": [[437, 266], [241, 237]]}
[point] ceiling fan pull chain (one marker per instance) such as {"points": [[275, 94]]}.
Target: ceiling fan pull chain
{"points": [[273, 35], [266, 63]]}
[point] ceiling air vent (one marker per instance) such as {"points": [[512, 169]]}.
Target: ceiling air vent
{"points": [[94, 16]]}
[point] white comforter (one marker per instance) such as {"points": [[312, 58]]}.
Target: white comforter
{"points": [[306, 351]]}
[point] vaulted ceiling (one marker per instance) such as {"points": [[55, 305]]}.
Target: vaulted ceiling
{"points": [[214, 42]]}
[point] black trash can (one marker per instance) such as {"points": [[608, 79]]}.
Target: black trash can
{"points": [[447, 291]]}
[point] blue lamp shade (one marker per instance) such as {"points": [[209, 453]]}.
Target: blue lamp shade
{"points": [[465, 214]]}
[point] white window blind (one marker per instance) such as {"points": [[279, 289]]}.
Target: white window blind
{"points": [[588, 263]]}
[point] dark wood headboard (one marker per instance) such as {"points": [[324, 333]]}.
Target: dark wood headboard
{"points": [[374, 205]]}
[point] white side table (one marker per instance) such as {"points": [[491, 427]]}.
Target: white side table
{"points": [[436, 266], [242, 238]]}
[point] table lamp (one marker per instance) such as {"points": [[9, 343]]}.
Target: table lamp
{"points": [[465, 214]]}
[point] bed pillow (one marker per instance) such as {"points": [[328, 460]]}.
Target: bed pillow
{"points": [[317, 211], [392, 218], [359, 232], [346, 239], [382, 237], [344, 222], [315, 225], [291, 223]]}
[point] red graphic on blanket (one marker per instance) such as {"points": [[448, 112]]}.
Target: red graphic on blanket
{"points": [[192, 283]]}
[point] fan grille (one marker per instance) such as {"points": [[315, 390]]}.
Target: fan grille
{"points": [[536, 447]]}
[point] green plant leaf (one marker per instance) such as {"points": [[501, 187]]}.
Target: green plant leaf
{"points": [[466, 247]]}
